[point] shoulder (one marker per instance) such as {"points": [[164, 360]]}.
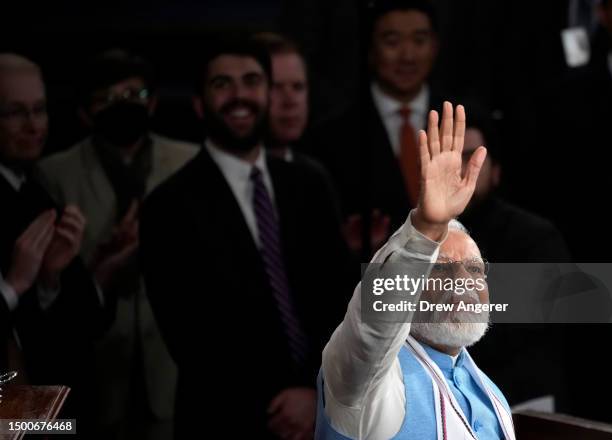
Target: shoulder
{"points": [[176, 145], [181, 184], [65, 158], [527, 221]]}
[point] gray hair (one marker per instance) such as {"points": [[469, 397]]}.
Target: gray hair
{"points": [[11, 63]]}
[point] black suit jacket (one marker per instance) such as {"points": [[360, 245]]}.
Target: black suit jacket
{"points": [[56, 343], [356, 150], [210, 293]]}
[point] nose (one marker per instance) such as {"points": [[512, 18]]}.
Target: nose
{"points": [[407, 52], [288, 97]]}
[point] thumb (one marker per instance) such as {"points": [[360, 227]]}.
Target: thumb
{"points": [[474, 166], [276, 403]]}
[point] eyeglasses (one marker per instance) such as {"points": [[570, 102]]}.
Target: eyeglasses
{"points": [[476, 268], [22, 113], [134, 95]]}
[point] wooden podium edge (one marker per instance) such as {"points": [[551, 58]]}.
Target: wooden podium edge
{"points": [[57, 403]]}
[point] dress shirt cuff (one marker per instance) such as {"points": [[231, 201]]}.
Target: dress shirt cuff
{"points": [[47, 296], [9, 294], [100, 293], [409, 243]]}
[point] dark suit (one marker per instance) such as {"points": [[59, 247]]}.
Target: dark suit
{"points": [[575, 158], [357, 151], [571, 149], [210, 292], [56, 343], [506, 233]]}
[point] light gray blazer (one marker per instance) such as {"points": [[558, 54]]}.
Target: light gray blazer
{"points": [[75, 176]]}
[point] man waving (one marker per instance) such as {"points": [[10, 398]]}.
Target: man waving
{"points": [[416, 380]]}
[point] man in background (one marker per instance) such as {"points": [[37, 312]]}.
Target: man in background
{"points": [[107, 175], [243, 259], [51, 309]]}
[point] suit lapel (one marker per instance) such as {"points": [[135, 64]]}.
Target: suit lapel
{"points": [[99, 185], [218, 215]]}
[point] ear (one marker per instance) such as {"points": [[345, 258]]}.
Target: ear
{"points": [[85, 117], [198, 106]]}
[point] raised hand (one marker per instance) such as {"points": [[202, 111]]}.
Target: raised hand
{"points": [[29, 251], [114, 255], [445, 192], [65, 245]]}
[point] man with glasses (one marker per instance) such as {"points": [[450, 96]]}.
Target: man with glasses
{"points": [[49, 306], [107, 175], [413, 378]]}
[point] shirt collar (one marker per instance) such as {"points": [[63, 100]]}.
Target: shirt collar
{"points": [[444, 361], [387, 105], [14, 179], [235, 167]]}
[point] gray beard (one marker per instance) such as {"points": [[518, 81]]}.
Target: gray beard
{"points": [[450, 334]]}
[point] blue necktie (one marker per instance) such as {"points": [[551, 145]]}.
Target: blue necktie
{"points": [[272, 255]]}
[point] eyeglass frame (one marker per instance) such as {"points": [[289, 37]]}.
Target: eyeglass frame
{"points": [[450, 262], [142, 95]]}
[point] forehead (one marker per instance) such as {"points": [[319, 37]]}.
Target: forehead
{"points": [[134, 82], [288, 64], [21, 87], [406, 22], [233, 65], [459, 246]]}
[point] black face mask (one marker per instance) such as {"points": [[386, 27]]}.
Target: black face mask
{"points": [[123, 123]]}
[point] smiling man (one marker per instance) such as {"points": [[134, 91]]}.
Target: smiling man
{"points": [[414, 379], [229, 246]]}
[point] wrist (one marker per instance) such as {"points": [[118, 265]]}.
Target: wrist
{"points": [[432, 230]]}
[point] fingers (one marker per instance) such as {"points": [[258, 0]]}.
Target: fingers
{"points": [[38, 225], [45, 239], [447, 127], [72, 211], [68, 235], [71, 223], [433, 134], [459, 133], [41, 236], [73, 218], [474, 166], [276, 403], [131, 214], [424, 155]]}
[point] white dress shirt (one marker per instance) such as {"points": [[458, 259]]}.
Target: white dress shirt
{"points": [[46, 297], [610, 63], [237, 173], [388, 109], [364, 385]]}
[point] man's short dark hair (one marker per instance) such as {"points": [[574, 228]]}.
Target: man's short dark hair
{"points": [[111, 67], [378, 8], [245, 46], [277, 44]]}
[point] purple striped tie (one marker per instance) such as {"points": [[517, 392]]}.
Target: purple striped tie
{"points": [[272, 255]]}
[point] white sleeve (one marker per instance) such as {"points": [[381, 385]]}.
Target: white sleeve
{"points": [[360, 357], [47, 296], [9, 294]]}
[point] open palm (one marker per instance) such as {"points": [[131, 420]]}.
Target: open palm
{"points": [[445, 192]]}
